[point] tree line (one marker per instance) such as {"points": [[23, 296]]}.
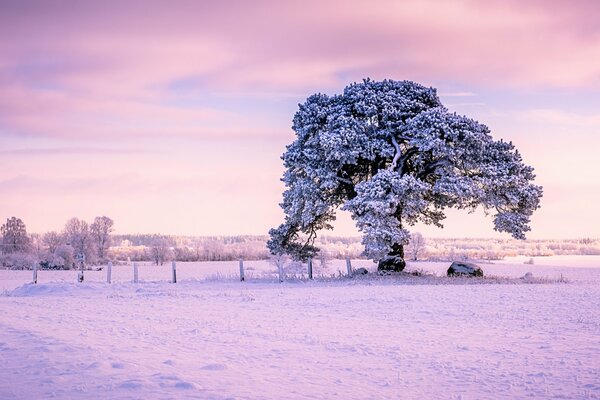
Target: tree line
{"points": [[98, 244], [57, 250]]}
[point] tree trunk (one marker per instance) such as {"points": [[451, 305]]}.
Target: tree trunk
{"points": [[394, 261]]}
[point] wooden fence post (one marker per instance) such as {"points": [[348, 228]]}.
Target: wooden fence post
{"points": [[349, 266], [109, 272], [310, 271], [135, 272], [35, 266], [174, 272], [242, 278]]}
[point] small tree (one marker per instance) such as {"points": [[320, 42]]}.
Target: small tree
{"points": [[279, 261], [100, 230], [416, 245], [14, 236], [324, 259], [160, 251], [391, 154]]}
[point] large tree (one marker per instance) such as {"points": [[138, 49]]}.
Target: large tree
{"points": [[392, 155], [14, 236]]}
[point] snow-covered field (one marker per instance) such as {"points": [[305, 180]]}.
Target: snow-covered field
{"points": [[212, 337]]}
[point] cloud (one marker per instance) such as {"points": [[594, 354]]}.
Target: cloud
{"points": [[457, 94], [96, 69], [563, 118], [59, 151]]}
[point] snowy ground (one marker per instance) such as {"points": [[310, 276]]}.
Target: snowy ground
{"points": [[346, 339]]}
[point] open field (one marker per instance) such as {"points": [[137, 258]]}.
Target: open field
{"points": [[361, 338]]}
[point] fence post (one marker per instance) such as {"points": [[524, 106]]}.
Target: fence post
{"points": [[174, 272], [310, 272], [349, 266], [35, 266], [242, 278], [80, 273], [81, 258], [109, 272], [135, 272]]}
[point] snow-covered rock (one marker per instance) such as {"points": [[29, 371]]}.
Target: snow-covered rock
{"points": [[360, 271], [391, 263], [464, 269]]}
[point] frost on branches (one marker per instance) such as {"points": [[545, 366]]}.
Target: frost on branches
{"points": [[392, 155]]}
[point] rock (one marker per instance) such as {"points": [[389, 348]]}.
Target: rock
{"points": [[464, 269], [527, 276], [360, 271], [391, 263]]}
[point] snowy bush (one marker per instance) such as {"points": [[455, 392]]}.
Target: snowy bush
{"points": [[19, 260], [66, 253]]}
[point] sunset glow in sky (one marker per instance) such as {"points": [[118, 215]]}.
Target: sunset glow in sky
{"points": [[170, 117]]}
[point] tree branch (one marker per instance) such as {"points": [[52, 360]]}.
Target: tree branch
{"points": [[405, 157], [348, 181], [398, 153]]}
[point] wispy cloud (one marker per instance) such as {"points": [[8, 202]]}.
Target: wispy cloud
{"points": [[59, 151], [563, 118], [457, 94], [105, 74]]}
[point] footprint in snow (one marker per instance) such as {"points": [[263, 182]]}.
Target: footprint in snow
{"points": [[167, 381], [184, 385], [117, 365], [131, 384], [93, 365], [214, 367]]}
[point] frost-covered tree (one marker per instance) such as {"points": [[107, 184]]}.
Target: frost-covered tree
{"points": [[51, 240], [415, 246], [100, 230], [77, 234], [160, 251], [14, 236], [392, 155]]}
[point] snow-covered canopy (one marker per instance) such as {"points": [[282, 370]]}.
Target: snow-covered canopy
{"points": [[391, 154]]}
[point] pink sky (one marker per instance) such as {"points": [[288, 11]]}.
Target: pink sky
{"points": [[170, 117]]}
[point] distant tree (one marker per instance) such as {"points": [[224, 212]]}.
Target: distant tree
{"points": [[416, 245], [324, 259], [52, 240], [279, 261], [65, 256], [101, 229], [77, 235], [19, 260], [14, 236], [160, 251], [392, 155]]}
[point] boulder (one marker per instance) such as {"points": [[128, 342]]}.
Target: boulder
{"points": [[391, 263], [360, 271], [527, 276], [460, 268]]}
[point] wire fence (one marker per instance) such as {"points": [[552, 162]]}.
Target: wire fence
{"points": [[174, 272]]}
